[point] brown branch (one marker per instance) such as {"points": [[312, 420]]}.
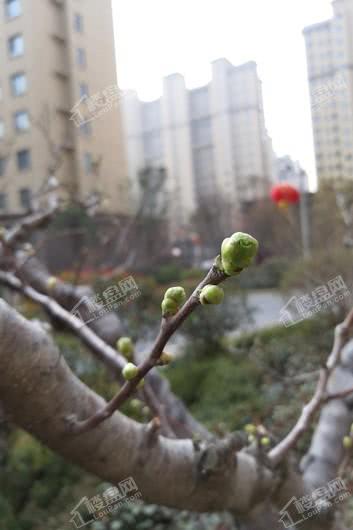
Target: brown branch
{"points": [[338, 395], [168, 327], [320, 397], [165, 471], [108, 328], [103, 351], [28, 224]]}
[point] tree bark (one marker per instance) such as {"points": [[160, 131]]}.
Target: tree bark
{"points": [[40, 393]]}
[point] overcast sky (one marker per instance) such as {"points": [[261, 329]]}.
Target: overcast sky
{"points": [[155, 38]]}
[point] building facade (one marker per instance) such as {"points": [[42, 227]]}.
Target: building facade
{"points": [[211, 140], [289, 171], [329, 50], [55, 55]]}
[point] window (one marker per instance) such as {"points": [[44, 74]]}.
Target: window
{"points": [[13, 8], [87, 163], [21, 119], [25, 198], [81, 57], [23, 159], [83, 90], [18, 84], [2, 129], [78, 22], [2, 166], [3, 201], [16, 46]]}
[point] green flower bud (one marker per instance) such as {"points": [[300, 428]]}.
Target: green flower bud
{"points": [[347, 442], [165, 358], [265, 441], [174, 297], [136, 405], [211, 294], [130, 371], [237, 252], [146, 411], [51, 282], [126, 347], [251, 438], [250, 428], [177, 294], [169, 307]]}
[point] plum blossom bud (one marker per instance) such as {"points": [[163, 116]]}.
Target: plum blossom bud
{"points": [[237, 252], [126, 347], [130, 371], [211, 294]]}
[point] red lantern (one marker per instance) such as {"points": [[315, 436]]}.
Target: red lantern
{"points": [[284, 195]]}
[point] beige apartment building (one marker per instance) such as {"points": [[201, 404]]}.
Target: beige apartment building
{"points": [[212, 140], [329, 50], [58, 88]]}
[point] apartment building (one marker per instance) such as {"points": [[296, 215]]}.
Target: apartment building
{"points": [[289, 171], [329, 50], [212, 140], [55, 56]]}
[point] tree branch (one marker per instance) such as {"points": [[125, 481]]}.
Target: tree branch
{"points": [[320, 396], [39, 393]]}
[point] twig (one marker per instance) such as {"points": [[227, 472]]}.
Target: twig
{"points": [[98, 346], [168, 327], [28, 224], [320, 397]]}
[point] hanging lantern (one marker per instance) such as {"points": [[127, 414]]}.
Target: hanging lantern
{"points": [[284, 195]]}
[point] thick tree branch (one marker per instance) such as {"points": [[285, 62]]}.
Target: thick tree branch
{"points": [[39, 392]]}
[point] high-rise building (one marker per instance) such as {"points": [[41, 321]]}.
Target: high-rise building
{"points": [[58, 102], [288, 171], [329, 51], [211, 140]]}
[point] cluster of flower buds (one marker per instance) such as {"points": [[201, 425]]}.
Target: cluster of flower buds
{"points": [[126, 347], [139, 409], [348, 440], [173, 299], [211, 294], [258, 434], [237, 252]]}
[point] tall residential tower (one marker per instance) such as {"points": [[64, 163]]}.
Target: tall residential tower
{"points": [[54, 56], [212, 140], [329, 49]]}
